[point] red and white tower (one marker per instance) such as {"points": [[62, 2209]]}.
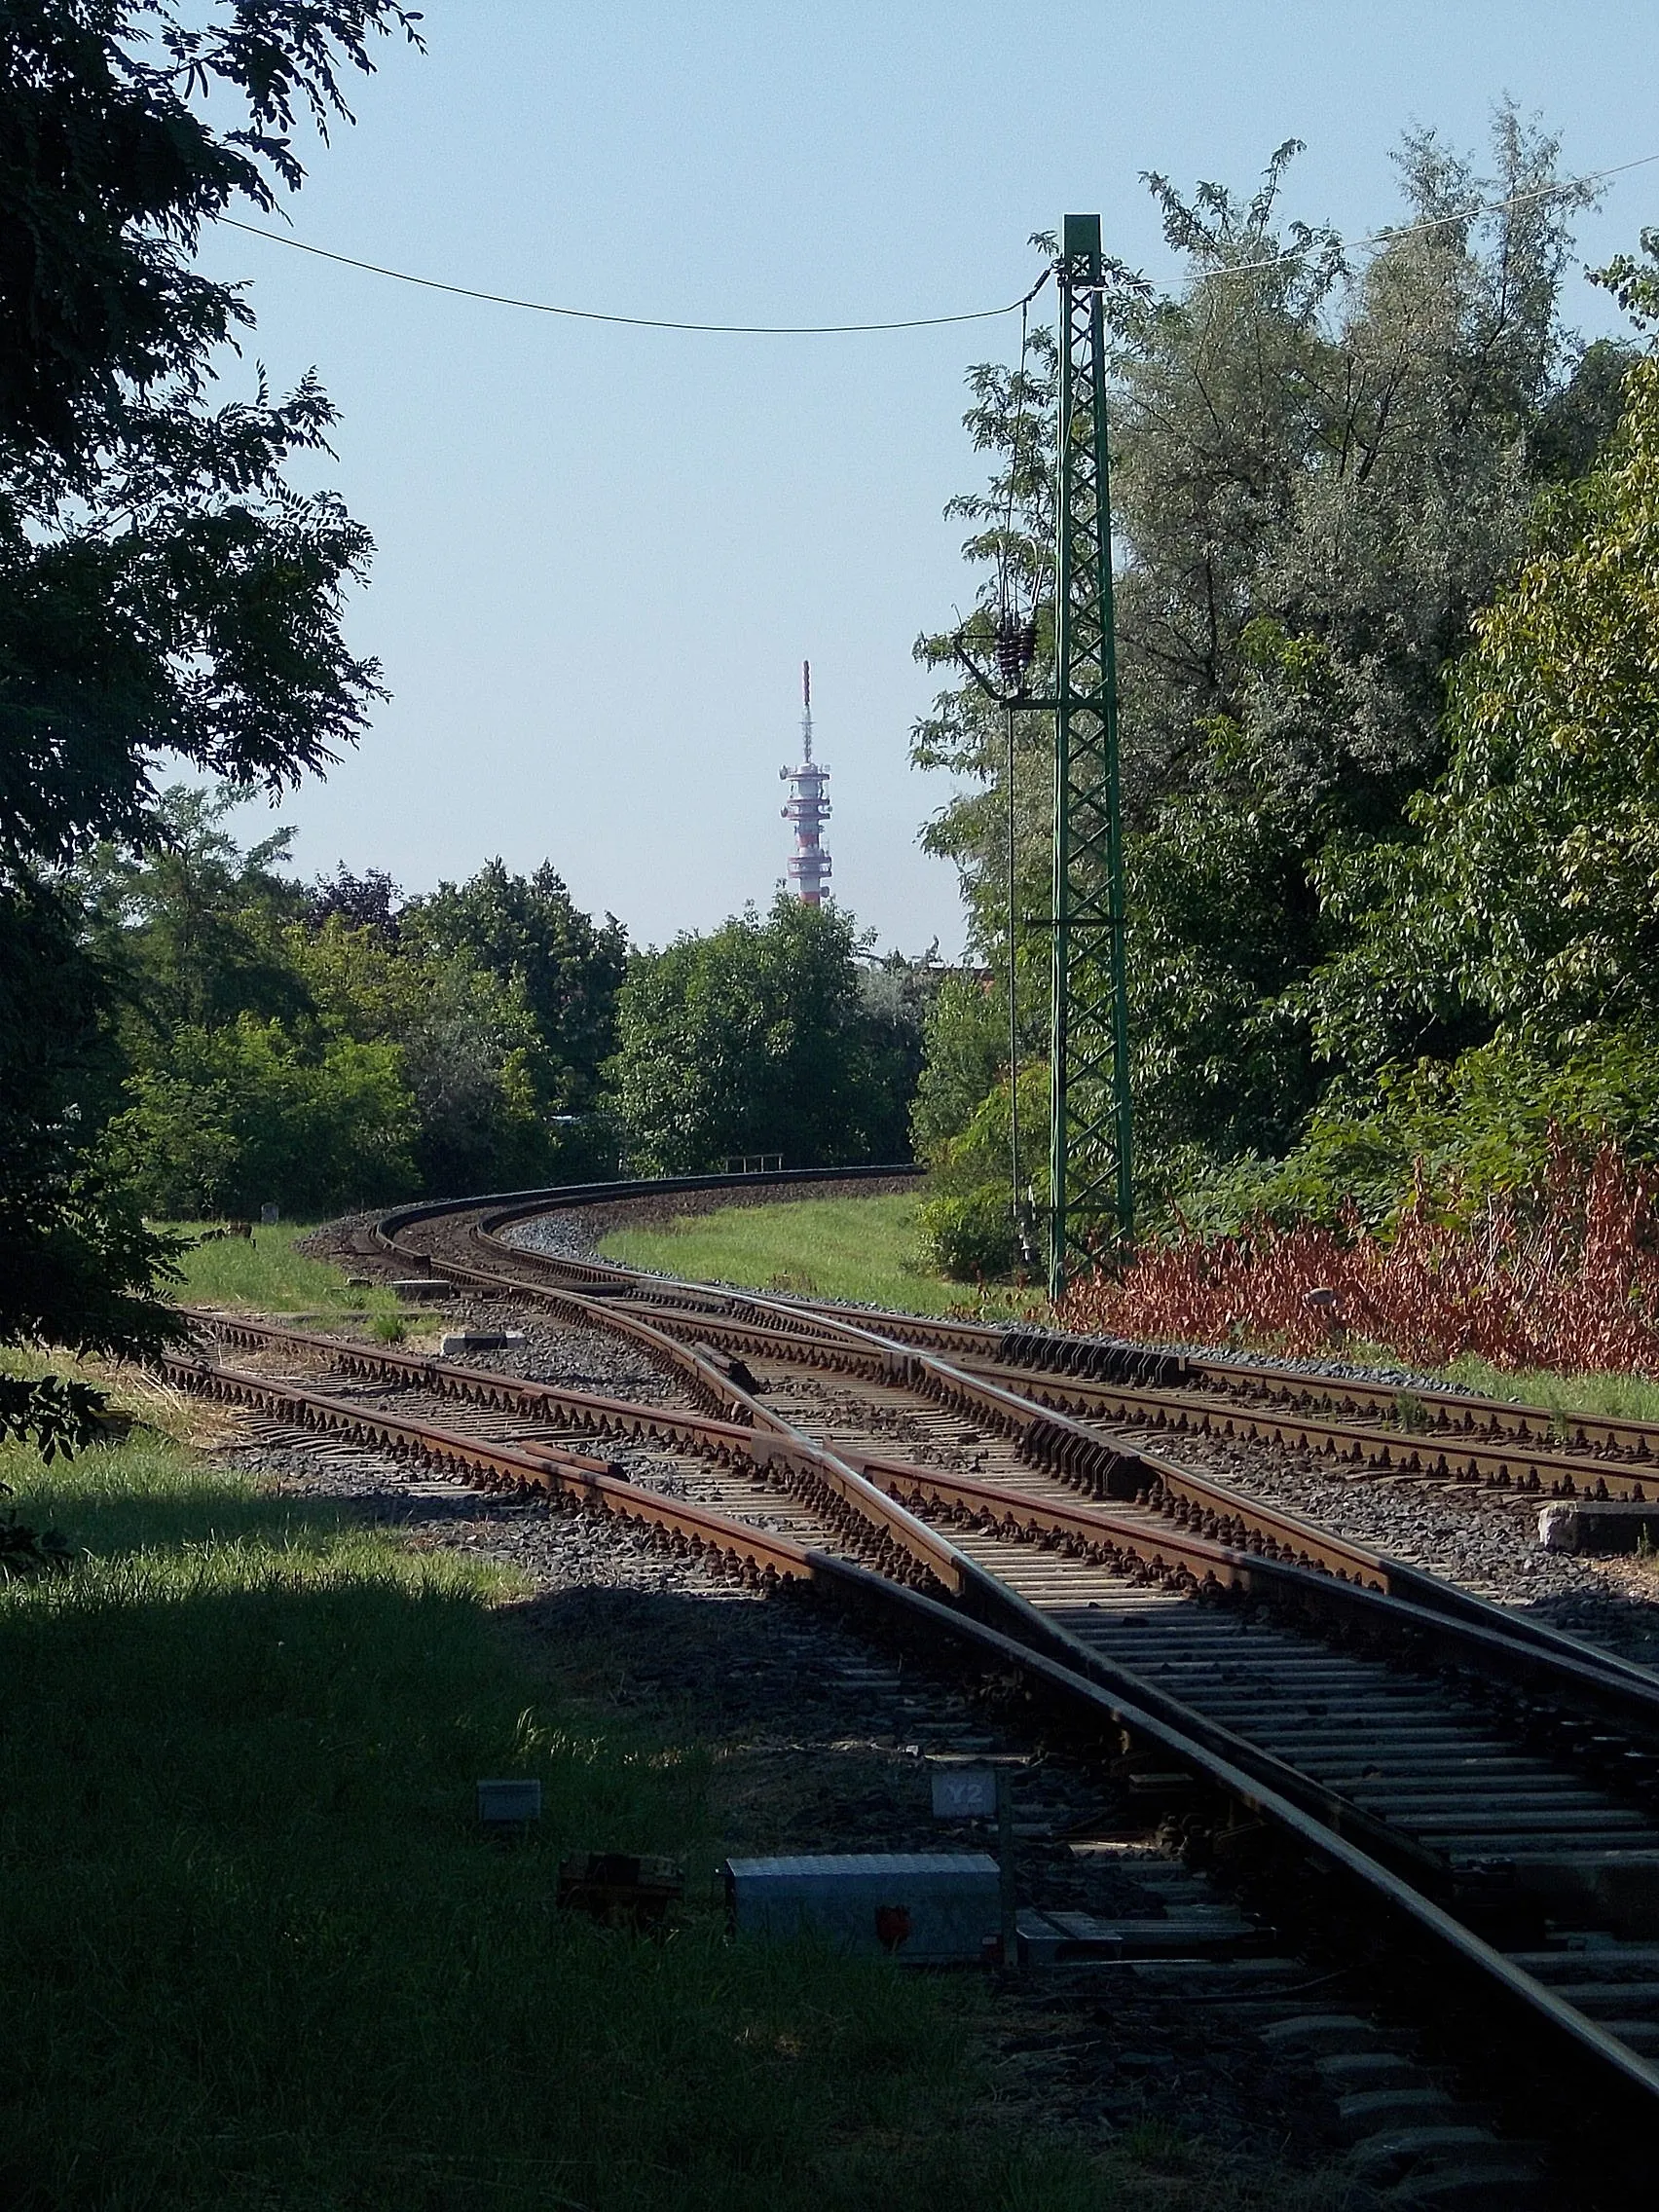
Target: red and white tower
{"points": [[808, 808]]}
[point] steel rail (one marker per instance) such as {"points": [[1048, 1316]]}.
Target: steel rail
{"points": [[885, 1527], [1277, 1537], [1063, 1446], [1526, 1455], [1051, 1439], [1531, 2006], [1511, 1464], [1110, 1697], [764, 1446], [1054, 1441], [1613, 2059], [888, 1526], [1562, 1440], [1612, 1690], [562, 1195], [1508, 1464], [587, 1481]]}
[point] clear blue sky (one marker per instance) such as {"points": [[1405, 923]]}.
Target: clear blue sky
{"points": [[603, 554]]}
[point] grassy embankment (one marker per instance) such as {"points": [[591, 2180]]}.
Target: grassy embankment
{"points": [[258, 1954], [1626, 1397], [865, 1249], [265, 1272]]}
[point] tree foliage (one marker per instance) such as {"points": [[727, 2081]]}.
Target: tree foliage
{"points": [[332, 1047], [1527, 894], [1323, 468], [164, 587], [1500, 975], [756, 1038], [527, 933], [244, 1114]]}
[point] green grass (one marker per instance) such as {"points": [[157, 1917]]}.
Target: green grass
{"points": [[264, 1272], [257, 1955], [1619, 1396], [1624, 1397], [865, 1249]]}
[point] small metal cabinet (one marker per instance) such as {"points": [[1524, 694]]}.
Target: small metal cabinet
{"points": [[930, 1908]]}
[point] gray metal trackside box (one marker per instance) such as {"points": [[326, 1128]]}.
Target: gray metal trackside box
{"points": [[928, 1907]]}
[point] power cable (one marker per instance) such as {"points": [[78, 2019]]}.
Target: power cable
{"points": [[642, 321], [912, 322]]}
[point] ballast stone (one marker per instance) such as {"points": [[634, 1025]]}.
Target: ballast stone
{"points": [[1589, 1525]]}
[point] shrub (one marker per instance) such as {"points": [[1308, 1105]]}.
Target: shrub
{"points": [[246, 1113], [970, 1237], [1564, 1275]]}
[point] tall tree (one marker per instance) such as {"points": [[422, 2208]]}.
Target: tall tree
{"points": [[189, 927], [753, 1039], [1516, 916], [529, 932], [1321, 471], [468, 1045], [164, 590]]}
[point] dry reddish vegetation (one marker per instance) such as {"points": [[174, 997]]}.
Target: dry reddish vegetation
{"points": [[1568, 1279]]}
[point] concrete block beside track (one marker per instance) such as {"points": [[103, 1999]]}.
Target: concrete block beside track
{"points": [[1592, 1525]]}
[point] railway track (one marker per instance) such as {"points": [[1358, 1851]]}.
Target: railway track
{"points": [[1348, 1421], [1486, 1786]]}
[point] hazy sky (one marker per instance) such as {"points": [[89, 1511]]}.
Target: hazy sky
{"points": [[604, 553]]}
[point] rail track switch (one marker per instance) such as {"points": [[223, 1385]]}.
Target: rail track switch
{"points": [[928, 1909], [729, 1364]]}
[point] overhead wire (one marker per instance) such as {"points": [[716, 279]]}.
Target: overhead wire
{"points": [[1388, 237], [642, 322]]}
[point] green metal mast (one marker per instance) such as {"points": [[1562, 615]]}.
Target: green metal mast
{"points": [[1090, 1160]]}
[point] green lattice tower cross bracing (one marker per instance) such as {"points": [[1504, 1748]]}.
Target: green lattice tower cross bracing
{"points": [[1090, 1165]]}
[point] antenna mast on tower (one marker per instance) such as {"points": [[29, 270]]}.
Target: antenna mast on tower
{"points": [[808, 808]]}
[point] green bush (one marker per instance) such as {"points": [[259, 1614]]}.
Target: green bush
{"points": [[967, 1227], [760, 1037], [1485, 1126], [247, 1113], [970, 1238]]}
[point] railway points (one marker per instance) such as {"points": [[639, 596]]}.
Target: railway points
{"points": [[1489, 1786]]}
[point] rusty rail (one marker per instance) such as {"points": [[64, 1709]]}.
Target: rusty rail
{"points": [[988, 1624], [594, 1483], [1163, 1545], [1525, 1448]]}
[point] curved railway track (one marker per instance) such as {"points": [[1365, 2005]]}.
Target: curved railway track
{"points": [[1352, 1422], [1487, 1786]]}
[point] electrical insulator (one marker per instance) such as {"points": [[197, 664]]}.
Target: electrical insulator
{"points": [[1017, 649]]}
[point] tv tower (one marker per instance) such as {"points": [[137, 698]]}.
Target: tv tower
{"points": [[808, 808]]}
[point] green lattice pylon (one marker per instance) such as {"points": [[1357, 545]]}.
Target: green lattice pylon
{"points": [[1090, 1158]]}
